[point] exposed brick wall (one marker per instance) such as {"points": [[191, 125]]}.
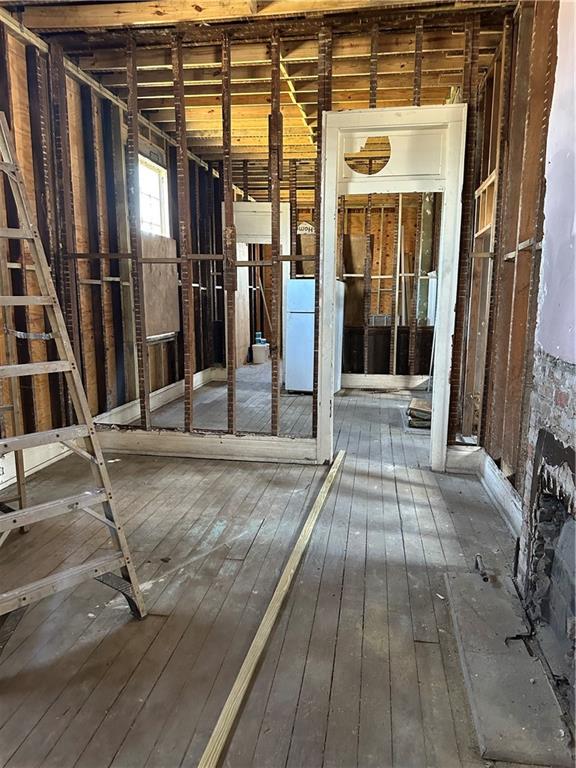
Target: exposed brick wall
{"points": [[553, 408]]}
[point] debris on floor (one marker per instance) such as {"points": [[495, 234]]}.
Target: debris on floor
{"points": [[419, 413]]}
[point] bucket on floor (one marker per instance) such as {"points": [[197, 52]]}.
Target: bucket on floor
{"points": [[260, 353]]}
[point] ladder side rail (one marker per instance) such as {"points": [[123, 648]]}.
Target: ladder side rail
{"points": [[65, 352]]}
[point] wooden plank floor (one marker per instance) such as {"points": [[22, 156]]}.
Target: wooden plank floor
{"points": [[253, 393], [361, 668]]}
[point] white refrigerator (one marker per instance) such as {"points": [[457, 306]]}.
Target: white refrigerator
{"points": [[299, 339]]}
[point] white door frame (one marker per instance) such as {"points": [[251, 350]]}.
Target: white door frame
{"points": [[427, 147]]}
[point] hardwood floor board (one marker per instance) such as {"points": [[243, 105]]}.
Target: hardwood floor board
{"points": [[256, 577], [152, 567], [424, 624], [362, 667], [311, 718], [97, 731], [375, 727], [341, 745], [439, 733], [259, 598], [275, 733], [166, 602], [147, 727], [267, 719]]}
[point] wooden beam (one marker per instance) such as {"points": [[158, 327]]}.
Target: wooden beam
{"points": [[502, 132], [66, 271], [167, 12], [275, 139], [184, 232], [294, 51], [217, 741], [293, 200], [531, 220], [132, 163], [119, 242], [45, 193], [367, 279], [230, 278], [94, 219], [469, 95], [134, 13], [413, 346], [395, 287], [373, 84], [419, 37], [325, 41]]}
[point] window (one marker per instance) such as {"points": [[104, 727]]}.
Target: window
{"points": [[154, 217]]}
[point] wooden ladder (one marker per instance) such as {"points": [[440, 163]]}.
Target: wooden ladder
{"points": [[81, 438]]}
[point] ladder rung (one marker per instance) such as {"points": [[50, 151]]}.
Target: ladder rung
{"points": [[29, 515], [32, 369], [36, 590], [19, 442], [23, 301], [16, 233]]}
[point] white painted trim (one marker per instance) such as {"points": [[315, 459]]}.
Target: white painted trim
{"points": [[38, 458], [415, 168], [35, 459], [383, 382], [473, 460], [260, 448], [464, 459], [502, 493], [129, 412]]}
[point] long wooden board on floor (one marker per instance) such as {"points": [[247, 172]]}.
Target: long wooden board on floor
{"points": [[229, 713]]}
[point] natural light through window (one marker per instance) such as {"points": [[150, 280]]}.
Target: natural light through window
{"points": [[153, 198]]}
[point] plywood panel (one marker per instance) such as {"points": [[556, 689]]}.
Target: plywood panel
{"points": [[161, 298]]}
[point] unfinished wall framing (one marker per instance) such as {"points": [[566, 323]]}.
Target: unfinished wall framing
{"points": [[271, 81]]}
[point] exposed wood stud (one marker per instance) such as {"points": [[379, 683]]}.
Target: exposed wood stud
{"points": [[184, 231], [374, 48], [523, 23], [470, 96], [395, 288], [119, 242], [293, 200], [132, 155], [413, 338], [531, 219], [503, 123], [208, 267], [66, 270], [44, 186], [245, 184], [95, 243], [367, 279], [324, 104], [230, 279], [418, 39], [275, 138], [20, 401]]}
